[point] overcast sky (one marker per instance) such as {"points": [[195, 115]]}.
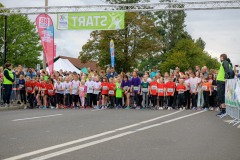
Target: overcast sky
{"points": [[220, 29]]}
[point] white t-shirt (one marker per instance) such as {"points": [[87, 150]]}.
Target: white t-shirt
{"points": [[89, 85], [97, 85], [75, 85], [67, 87], [187, 83], [149, 80], [58, 86], [193, 83]]}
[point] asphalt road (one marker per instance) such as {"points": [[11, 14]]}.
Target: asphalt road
{"points": [[117, 134]]}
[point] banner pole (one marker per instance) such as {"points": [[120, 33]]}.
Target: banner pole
{"points": [[44, 58], [5, 42]]}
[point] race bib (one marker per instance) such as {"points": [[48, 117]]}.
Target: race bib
{"points": [[215, 88], [105, 88], [90, 89], [145, 90], [126, 87], [135, 88], [170, 89], [118, 87], [67, 90], [36, 88], [81, 89], [21, 86], [111, 92], [160, 90], [96, 91], [29, 88], [204, 88], [193, 86], [180, 92], [154, 87], [50, 91]]}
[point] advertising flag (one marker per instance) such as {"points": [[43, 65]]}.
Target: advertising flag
{"points": [[54, 51], [91, 20], [46, 33], [112, 52]]}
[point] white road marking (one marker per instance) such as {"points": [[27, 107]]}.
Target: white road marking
{"points": [[86, 138], [37, 117], [64, 151]]}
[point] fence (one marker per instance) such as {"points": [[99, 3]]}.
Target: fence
{"points": [[232, 100]]}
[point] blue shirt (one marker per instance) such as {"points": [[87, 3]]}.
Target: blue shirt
{"points": [[31, 75], [153, 74], [22, 82], [112, 76]]}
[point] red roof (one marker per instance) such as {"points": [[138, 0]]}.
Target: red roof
{"points": [[77, 63]]}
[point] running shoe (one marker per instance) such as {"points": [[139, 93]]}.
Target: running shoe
{"points": [[160, 108], [117, 107], [143, 107], [105, 107], [217, 109], [148, 108], [44, 107], [127, 107], [52, 107], [219, 114], [87, 107], [181, 109], [82, 107], [137, 107], [205, 109], [91, 107], [153, 108], [169, 108], [57, 107], [193, 108], [65, 107], [96, 107], [121, 107], [184, 108]]}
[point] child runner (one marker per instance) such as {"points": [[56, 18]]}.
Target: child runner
{"points": [[181, 88], [51, 92], [82, 92], [96, 95], [211, 100], [22, 90], [135, 87], [68, 97], [126, 85], [58, 87], [193, 81], [153, 91], [169, 88], [187, 93], [200, 100], [35, 84], [206, 87], [176, 82], [145, 87], [112, 92], [89, 85], [41, 93], [166, 75], [161, 93], [74, 88], [214, 94], [118, 93], [29, 91], [104, 88]]}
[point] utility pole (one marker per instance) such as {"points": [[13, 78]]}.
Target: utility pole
{"points": [[5, 41], [44, 58]]}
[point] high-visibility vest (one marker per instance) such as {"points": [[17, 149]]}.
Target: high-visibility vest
{"points": [[5, 80]]}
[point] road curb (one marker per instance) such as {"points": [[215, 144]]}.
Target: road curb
{"points": [[11, 108]]}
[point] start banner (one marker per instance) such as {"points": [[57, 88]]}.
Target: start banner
{"points": [[91, 21]]}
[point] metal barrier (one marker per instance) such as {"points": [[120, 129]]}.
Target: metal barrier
{"points": [[232, 100]]}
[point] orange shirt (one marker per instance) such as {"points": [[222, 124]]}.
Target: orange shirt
{"points": [[206, 86], [111, 88], [161, 89], [170, 88], [50, 89], [179, 87], [29, 86], [104, 88], [153, 86]]}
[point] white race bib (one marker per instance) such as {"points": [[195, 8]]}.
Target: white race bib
{"points": [[29, 88], [180, 92], [154, 87], [145, 90], [36, 88], [21, 86], [74, 89], [204, 88], [193, 86], [96, 91], [90, 88], [119, 87], [67, 90], [105, 88], [50, 91], [215, 88], [111, 92], [126, 87], [160, 90], [81, 89], [170, 89], [135, 88]]}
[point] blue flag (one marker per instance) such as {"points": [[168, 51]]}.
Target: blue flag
{"points": [[112, 53]]}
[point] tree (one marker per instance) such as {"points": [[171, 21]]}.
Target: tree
{"points": [[138, 39], [23, 41], [187, 54]]}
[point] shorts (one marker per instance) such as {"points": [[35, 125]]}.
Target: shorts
{"points": [[221, 91], [105, 94], [36, 93]]}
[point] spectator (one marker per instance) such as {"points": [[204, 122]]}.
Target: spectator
{"points": [[112, 74], [204, 71], [178, 69], [154, 72], [8, 79], [237, 75], [31, 73], [198, 68]]}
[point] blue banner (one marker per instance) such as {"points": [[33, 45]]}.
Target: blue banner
{"points": [[112, 53]]}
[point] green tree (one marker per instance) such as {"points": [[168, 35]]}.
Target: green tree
{"points": [[23, 41], [138, 39], [187, 54]]}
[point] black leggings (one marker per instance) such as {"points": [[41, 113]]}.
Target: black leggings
{"points": [[206, 98], [23, 96], [170, 101], [137, 98], [112, 100], [187, 98], [194, 99], [59, 96], [154, 97], [68, 99], [30, 99], [89, 99], [161, 99], [181, 99], [52, 97]]}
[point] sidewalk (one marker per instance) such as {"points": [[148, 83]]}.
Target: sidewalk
{"points": [[12, 106]]}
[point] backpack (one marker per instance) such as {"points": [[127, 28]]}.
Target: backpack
{"points": [[232, 74]]}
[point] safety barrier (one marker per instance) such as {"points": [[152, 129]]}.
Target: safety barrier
{"points": [[232, 100]]}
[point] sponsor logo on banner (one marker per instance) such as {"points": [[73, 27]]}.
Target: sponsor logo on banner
{"points": [[62, 21], [91, 21]]}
